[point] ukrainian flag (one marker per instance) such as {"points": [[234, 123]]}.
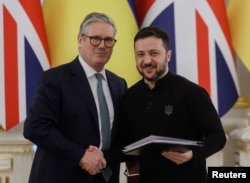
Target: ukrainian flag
{"points": [[62, 21], [239, 21]]}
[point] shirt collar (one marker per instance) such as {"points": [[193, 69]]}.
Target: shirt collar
{"points": [[89, 70], [161, 82]]}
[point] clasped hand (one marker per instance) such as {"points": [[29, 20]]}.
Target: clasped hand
{"points": [[93, 160]]}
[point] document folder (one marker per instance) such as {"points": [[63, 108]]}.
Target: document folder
{"points": [[154, 143]]}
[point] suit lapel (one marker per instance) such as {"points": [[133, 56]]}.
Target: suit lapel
{"points": [[113, 93], [111, 88], [81, 82]]}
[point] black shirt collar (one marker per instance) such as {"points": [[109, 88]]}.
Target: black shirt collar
{"points": [[160, 83]]}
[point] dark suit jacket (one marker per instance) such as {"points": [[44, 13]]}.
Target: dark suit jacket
{"points": [[63, 122]]}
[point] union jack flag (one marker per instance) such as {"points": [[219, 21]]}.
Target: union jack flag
{"points": [[200, 41], [23, 56]]}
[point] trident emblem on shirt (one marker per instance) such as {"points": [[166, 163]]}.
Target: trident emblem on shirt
{"points": [[168, 109]]}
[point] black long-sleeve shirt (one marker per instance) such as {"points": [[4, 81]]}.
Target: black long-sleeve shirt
{"points": [[175, 107]]}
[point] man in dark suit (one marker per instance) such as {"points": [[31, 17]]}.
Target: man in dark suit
{"points": [[64, 120]]}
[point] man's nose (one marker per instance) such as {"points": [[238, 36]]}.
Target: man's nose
{"points": [[147, 59], [102, 43]]}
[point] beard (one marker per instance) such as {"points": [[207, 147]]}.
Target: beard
{"points": [[158, 74]]}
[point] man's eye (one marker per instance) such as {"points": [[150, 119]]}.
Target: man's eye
{"points": [[96, 38], [139, 55], [109, 40]]}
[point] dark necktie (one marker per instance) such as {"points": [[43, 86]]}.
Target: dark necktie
{"points": [[105, 122], [104, 114]]}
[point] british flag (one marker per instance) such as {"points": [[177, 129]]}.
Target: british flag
{"points": [[23, 56], [200, 41]]}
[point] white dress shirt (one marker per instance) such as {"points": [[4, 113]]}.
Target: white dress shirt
{"points": [[90, 73]]}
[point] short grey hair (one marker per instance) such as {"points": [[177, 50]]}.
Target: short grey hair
{"points": [[95, 17]]}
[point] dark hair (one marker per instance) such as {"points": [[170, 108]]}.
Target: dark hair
{"points": [[152, 31]]}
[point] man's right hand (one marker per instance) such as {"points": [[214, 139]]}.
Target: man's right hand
{"points": [[93, 160]]}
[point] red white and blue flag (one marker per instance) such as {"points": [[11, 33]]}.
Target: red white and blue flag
{"points": [[23, 56], [199, 35], [200, 41]]}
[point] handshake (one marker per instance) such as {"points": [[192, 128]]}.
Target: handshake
{"points": [[93, 160]]}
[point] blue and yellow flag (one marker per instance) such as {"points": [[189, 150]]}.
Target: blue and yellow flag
{"points": [[239, 21], [63, 18]]}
